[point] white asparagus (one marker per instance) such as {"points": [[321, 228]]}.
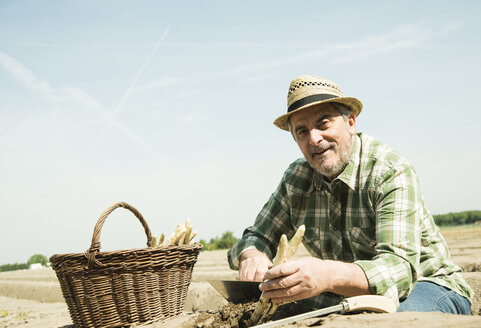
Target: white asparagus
{"points": [[296, 241], [265, 309], [282, 249], [154, 241], [174, 238], [192, 235], [264, 305], [171, 237], [161, 239], [178, 235], [281, 257], [188, 231], [182, 237]]}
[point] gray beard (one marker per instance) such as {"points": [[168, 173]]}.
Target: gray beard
{"points": [[335, 169]]}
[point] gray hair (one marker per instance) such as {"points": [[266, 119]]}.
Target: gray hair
{"points": [[343, 109]]}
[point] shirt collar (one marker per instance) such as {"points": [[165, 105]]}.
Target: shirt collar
{"points": [[349, 175]]}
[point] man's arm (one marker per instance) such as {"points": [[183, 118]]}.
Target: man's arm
{"points": [[399, 206], [392, 272]]}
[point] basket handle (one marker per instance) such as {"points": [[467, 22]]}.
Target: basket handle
{"points": [[95, 246]]}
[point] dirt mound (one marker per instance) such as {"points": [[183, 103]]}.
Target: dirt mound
{"points": [[236, 315], [230, 316], [472, 267]]}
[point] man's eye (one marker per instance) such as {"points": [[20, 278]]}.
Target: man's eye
{"points": [[323, 123], [301, 133]]}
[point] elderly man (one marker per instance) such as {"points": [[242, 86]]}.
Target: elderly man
{"points": [[367, 227]]}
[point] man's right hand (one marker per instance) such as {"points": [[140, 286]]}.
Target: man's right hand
{"points": [[253, 264]]}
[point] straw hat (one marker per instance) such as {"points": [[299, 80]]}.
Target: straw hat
{"points": [[307, 91]]}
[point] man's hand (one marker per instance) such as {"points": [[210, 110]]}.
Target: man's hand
{"points": [[253, 264], [307, 277]]}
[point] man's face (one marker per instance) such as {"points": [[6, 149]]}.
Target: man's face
{"points": [[324, 137]]}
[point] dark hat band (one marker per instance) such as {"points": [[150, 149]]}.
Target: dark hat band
{"points": [[309, 99]]}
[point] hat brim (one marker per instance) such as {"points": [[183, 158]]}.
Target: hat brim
{"points": [[353, 103]]}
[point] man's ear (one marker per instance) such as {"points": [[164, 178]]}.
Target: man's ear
{"points": [[351, 123], [290, 129]]}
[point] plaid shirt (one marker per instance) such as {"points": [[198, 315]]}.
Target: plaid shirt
{"points": [[372, 214]]}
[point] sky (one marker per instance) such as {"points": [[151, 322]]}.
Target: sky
{"points": [[168, 106]]}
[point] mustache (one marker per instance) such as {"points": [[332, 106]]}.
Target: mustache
{"points": [[322, 147]]}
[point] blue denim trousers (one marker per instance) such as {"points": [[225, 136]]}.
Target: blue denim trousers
{"points": [[430, 297]]}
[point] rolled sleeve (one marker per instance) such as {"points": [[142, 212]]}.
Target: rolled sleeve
{"points": [[392, 272]]}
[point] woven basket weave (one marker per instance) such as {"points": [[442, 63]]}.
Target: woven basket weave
{"points": [[121, 288]]}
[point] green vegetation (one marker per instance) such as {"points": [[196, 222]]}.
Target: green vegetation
{"points": [[22, 315], [459, 218], [226, 241], [12, 267], [37, 258]]}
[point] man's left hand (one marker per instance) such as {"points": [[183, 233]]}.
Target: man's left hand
{"points": [[296, 280], [309, 276]]}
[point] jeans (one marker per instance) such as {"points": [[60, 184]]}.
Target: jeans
{"points": [[428, 297]]}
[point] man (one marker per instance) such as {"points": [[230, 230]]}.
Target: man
{"points": [[367, 227]]}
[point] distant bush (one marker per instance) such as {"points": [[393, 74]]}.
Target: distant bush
{"points": [[13, 267], [227, 240], [37, 258], [459, 218]]}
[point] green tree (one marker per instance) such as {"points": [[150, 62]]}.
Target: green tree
{"points": [[37, 258], [12, 267], [459, 218], [227, 240]]}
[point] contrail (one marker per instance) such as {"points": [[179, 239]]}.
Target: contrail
{"points": [[29, 81], [132, 84]]}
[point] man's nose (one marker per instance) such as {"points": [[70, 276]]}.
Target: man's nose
{"points": [[315, 137]]}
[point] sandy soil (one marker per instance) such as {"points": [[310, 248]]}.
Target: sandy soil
{"points": [[33, 298]]}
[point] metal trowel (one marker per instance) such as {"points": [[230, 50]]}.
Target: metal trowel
{"points": [[236, 291], [373, 303]]}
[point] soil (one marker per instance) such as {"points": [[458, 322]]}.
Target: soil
{"points": [[236, 315], [230, 316], [32, 298]]}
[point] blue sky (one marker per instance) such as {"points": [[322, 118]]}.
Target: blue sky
{"points": [[168, 105]]}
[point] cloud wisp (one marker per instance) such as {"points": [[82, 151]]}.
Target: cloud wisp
{"points": [[29, 81], [166, 44], [403, 37]]}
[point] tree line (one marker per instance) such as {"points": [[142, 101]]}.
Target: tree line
{"points": [[36, 258], [458, 218], [227, 240]]}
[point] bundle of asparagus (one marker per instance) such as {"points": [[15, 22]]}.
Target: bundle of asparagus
{"points": [[182, 235], [265, 309]]}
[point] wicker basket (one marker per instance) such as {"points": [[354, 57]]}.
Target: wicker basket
{"points": [[121, 288]]}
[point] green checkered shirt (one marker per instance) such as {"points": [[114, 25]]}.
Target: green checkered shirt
{"points": [[372, 214]]}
